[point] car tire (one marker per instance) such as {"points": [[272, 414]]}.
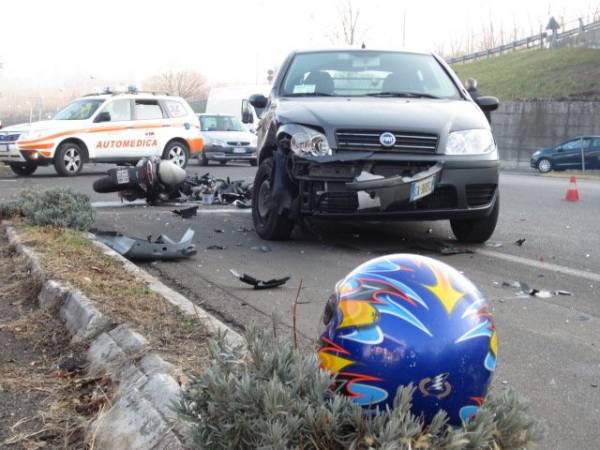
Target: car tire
{"points": [[68, 159], [268, 224], [254, 162], [476, 231], [203, 160], [544, 165], [23, 169], [178, 153]]}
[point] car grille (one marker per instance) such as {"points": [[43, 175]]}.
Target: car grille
{"points": [[239, 143], [338, 202], [406, 142], [480, 194], [9, 137]]}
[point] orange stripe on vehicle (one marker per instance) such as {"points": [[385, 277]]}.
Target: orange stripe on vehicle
{"points": [[195, 144], [46, 154], [39, 146]]}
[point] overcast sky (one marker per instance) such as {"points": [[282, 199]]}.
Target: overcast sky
{"points": [[59, 42]]}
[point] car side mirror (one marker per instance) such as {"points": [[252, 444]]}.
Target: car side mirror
{"points": [[247, 116], [488, 103], [104, 116], [259, 101]]}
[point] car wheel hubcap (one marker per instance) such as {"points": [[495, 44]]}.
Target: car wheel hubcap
{"points": [[177, 155], [545, 165], [72, 160], [264, 199]]}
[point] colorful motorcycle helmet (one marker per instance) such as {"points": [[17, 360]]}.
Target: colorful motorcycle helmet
{"points": [[403, 319]]}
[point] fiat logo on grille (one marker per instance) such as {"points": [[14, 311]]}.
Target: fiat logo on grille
{"points": [[387, 139]]}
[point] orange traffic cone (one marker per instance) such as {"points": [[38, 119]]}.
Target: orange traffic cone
{"points": [[572, 193]]}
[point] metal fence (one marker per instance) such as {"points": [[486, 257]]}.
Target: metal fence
{"points": [[534, 41]]}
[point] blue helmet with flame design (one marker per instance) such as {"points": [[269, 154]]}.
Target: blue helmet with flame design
{"points": [[403, 319]]}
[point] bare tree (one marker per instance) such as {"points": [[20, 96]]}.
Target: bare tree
{"points": [[188, 84], [348, 30]]}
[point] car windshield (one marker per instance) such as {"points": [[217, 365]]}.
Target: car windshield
{"points": [[367, 73], [79, 110], [221, 123]]}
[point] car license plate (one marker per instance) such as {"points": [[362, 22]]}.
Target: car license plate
{"points": [[422, 188], [122, 176], [239, 150], [3, 147]]}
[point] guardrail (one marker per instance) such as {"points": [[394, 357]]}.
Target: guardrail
{"points": [[528, 42]]}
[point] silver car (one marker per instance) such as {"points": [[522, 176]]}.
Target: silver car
{"points": [[226, 139]]}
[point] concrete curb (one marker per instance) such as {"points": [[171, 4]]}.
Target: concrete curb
{"points": [[140, 417]]}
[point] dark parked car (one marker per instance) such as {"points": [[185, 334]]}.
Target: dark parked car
{"points": [[373, 135], [568, 155]]}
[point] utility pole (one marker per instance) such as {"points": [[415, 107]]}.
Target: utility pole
{"points": [[404, 30]]}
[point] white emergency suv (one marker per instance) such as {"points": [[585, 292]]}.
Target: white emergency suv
{"points": [[111, 127]]}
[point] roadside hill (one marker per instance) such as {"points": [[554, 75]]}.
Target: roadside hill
{"points": [[559, 74]]}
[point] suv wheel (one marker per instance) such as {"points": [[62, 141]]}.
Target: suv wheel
{"points": [[544, 165], [268, 224], [476, 231], [23, 168], [68, 159], [177, 152]]}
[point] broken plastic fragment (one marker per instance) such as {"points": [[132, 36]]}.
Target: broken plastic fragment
{"points": [[259, 284], [186, 213], [520, 242], [216, 247], [144, 249]]}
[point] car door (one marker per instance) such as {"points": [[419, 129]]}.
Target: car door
{"points": [[567, 155], [594, 153], [149, 122], [112, 137]]}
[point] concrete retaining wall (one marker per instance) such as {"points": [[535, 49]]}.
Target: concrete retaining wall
{"points": [[523, 127]]}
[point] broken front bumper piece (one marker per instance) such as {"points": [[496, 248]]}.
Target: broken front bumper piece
{"points": [[162, 248], [376, 191]]}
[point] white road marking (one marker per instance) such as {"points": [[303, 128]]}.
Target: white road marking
{"points": [[541, 265]]}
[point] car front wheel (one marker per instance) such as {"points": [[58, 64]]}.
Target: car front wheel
{"points": [[68, 160], [544, 165], [268, 223], [178, 153], [476, 231]]}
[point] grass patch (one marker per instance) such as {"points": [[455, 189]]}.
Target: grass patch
{"points": [[67, 255], [558, 74]]}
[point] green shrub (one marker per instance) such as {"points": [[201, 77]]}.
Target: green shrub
{"points": [[275, 397], [57, 207]]}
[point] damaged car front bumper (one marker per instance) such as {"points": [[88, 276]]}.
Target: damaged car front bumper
{"points": [[374, 189]]}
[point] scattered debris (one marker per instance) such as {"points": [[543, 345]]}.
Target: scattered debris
{"points": [[441, 247], [144, 249], [244, 230], [219, 230], [260, 284], [242, 204], [216, 247], [525, 289], [493, 244], [186, 213], [520, 242], [212, 190], [562, 293], [262, 248]]}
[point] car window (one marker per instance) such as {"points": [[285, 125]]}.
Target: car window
{"points": [[221, 123], [360, 73], [576, 144], [79, 110], [148, 109], [175, 108], [119, 110], [596, 144]]}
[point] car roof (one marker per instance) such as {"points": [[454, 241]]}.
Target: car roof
{"points": [[143, 95]]}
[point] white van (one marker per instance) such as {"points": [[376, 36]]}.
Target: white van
{"points": [[112, 127]]}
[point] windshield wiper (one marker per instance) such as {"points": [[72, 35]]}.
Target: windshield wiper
{"points": [[401, 94], [309, 94]]}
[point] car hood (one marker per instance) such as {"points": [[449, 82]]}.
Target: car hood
{"points": [[48, 125], [228, 136], [395, 114], [544, 151]]}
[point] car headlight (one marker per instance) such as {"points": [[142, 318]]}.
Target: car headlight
{"points": [[306, 141], [32, 134], [470, 142]]}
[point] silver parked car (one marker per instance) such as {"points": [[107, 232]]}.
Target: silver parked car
{"points": [[226, 139]]}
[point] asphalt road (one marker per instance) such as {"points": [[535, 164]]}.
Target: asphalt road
{"points": [[549, 349]]}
